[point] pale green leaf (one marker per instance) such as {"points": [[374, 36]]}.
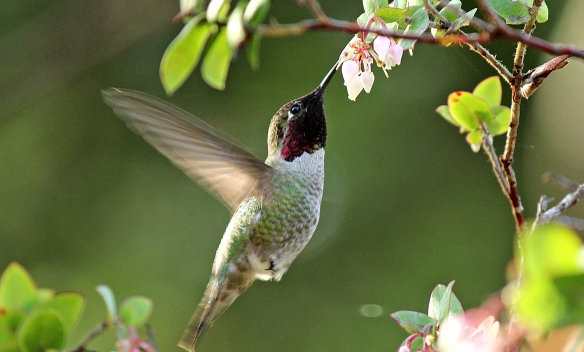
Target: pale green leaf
{"points": [[452, 10], [469, 110], [183, 53], [418, 25], [489, 90], [500, 123], [444, 111], [412, 322], [253, 51], [17, 289], [371, 5], [135, 311], [391, 14], [474, 139], [69, 305], [216, 63], [517, 11], [41, 331], [109, 299]]}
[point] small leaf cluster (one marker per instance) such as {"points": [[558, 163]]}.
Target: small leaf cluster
{"points": [[517, 11], [38, 319], [550, 294], [478, 111], [34, 319], [408, 17], [219, 28], [423, 328], [133, 313], [456, 16]]}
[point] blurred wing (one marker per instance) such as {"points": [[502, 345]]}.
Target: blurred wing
{"points": [[208, 156]]}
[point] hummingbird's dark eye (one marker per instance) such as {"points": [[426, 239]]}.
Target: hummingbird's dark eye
{"points": [[295, 109]]}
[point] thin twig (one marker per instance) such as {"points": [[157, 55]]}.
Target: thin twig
{"points": [[492, 60], [505, 32], [151, 337], [317, 11], [517, 82], [569, 200], [570, 221], [91, 336], [476, 47], [560, 180], [435, 12], [489, 149], [542, 206]]}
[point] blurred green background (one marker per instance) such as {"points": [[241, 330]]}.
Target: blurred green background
{"points": [[407, 205]]}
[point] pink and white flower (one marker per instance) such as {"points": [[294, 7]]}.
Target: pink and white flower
{"points": [[357, 57], [457, 335]]}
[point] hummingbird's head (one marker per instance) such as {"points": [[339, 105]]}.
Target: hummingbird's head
{"points": [[300, 125]]}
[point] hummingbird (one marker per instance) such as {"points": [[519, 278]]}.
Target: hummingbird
{"points": [[275, 204]]}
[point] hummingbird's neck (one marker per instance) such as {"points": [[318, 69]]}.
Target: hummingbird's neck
{"points": [[307, 163]]}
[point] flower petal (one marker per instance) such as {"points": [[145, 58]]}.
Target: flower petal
{"points": [[396, 52], [381, 45], [354, 87], [350, 70], [367, 78]]}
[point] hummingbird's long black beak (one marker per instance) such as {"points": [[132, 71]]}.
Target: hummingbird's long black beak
{"points": [[329, 76]]}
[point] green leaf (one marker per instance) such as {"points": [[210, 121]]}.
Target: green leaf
{"points": [[452, 10], [362, 20], [109, 299], [392, 27], [69, 305], [462, 21], [42, 330], [10, 319], [391, 14], [418, 25], [571, 288], [8, 341], [17, 289], [413, 6], [183, 53], [444, 111], [501, 122], [444, 303], [256, 11], [489, 90], [412, 322], [552, 250], [543, 14], [135, 311], [253, 51], [469, 109], [549, 295], [517, 11], [400, 4], [45, 294], [371, 5], [474, 139], [235, 30], [216, 63], [418, 345], [217, 9]]}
